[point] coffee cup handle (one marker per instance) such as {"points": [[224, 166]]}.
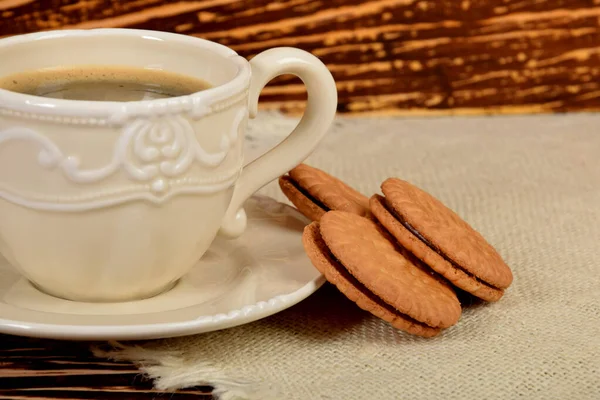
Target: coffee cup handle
{"points": [[317, 118]]}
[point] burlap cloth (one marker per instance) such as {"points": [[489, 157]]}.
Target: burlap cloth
{"points": [[530, 184]]}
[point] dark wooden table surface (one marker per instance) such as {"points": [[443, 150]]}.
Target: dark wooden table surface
{"points": [[48, 369], [388, 57]]}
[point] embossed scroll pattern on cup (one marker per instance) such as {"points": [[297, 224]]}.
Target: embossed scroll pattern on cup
{"points": [[155, 149]]}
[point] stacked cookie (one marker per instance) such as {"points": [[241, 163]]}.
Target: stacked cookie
{"points": [[399, 256]]}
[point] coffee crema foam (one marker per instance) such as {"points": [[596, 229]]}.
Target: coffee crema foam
{"points": [[102, 83]]}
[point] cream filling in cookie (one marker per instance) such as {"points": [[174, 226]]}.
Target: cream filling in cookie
{"points": [[372, 296], [309, 196], [415, 232]]}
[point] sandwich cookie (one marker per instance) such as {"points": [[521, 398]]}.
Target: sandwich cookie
{"points": [[314, 192], [365, 264], [441, 239]]}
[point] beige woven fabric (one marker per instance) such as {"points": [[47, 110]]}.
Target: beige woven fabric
{"points": [[531, 185]]}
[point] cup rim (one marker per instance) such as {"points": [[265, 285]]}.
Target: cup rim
{"points": [[197, 103]]}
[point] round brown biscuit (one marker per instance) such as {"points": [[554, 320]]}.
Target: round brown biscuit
{"points": [[370, 255], [332, 192], [439, 264], [445, 231], [335, 273], [305, 205]]}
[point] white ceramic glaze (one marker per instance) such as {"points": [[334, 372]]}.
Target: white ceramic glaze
{"points": [[237, 281], [109, 201]]}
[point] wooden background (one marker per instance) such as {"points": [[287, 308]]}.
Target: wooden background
{"points": [[387, 56]]}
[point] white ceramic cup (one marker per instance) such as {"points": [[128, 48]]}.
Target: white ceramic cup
{"points": [[113, 201]]}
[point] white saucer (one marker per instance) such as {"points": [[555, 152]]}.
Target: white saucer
{"points": [[237, 281]]}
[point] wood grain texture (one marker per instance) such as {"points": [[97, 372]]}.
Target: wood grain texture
{"points": [[46, 369], [387, 56]]}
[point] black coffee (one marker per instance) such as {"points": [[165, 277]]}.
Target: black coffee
{"points": [[102, 83]]}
